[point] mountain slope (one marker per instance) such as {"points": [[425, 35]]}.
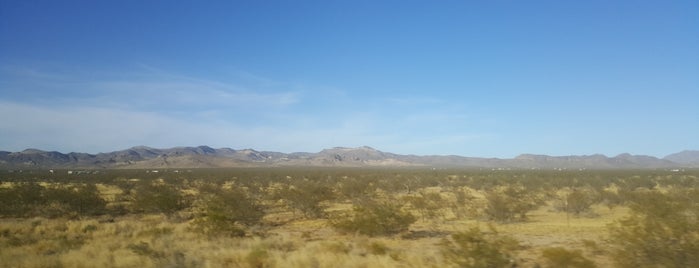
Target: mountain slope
{"points": [[684, 157], [204, 156]]}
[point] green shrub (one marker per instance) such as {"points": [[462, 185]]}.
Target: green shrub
{"points": [[226, 213], [374, 219], [429, 205], [306, 196], [611, 198], [82, 199], [660, 232], [511, 203], [465, 204], [32, 199], [562, 258], [352, 188], [578, 200], [158, 198], [21, 200], [476, 249]]}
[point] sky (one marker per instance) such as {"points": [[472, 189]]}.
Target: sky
{"points": [[472, 78]]}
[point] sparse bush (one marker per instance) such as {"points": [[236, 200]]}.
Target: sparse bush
{"points": [[429, 205], [306, 196], [21, 200], [577, 200], [82, 200], [465, 204], [660, 232], [511, 203], [32, 199], [158, 198], [580, 200], [374, 219], [226, 213], [611, 198], [562, 258], [352, 188], [476, 249]]}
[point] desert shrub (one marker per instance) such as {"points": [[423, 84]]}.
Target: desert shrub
{"points": [[352, 188], [611, 198], [44, 237], [32, 199], [125, 185], [580, 200], [465, 203], [82, 199], [306, 196], [660, 232], [636, 182], [511, 203], [562, 258], [577, 200], [158, 198], [374, 218], [429, 205], [226, 213], [475, 249], [259, 258], [21, 200]]}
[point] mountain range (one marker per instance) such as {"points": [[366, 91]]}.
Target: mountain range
{"points": [[207, 157]]}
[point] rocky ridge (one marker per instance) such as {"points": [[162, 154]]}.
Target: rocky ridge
{"points": [[207, 157]]}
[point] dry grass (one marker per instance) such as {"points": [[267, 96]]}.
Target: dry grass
{"points": [[158, 241]]}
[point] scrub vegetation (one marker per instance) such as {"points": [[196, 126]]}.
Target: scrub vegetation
{"points": [[349, 217]]}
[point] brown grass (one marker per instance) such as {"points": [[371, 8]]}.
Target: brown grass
{"points": [[159, 241]]}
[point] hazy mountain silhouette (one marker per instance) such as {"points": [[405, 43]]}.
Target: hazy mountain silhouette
{"points": [[684, 157], [204, 156]]}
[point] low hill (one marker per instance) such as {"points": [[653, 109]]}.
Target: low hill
{"points": [[204, 156]]}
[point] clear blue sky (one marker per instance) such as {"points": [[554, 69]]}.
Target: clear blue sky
{"points": [[473, 78]]}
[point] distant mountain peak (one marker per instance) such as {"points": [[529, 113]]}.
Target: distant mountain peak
{"points": [[684, 157], [361, 148], [363, 156], [33, 151]]}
